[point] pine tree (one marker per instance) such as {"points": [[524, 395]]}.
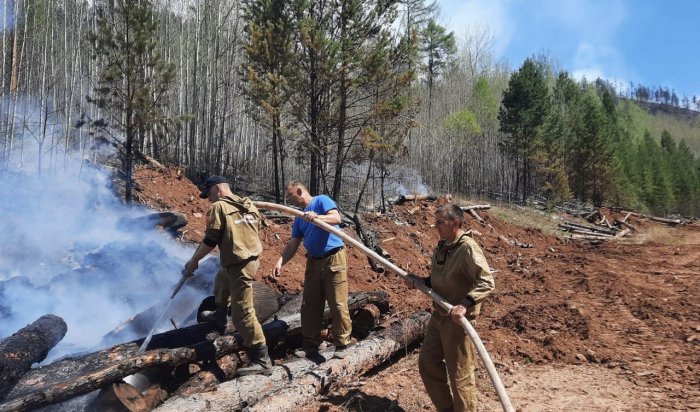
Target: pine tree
{"points": [[524, 108], [438, 46], [269, 70], [133, 80]]}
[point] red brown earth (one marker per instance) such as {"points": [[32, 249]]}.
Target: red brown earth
{"points": [[571, 326]]}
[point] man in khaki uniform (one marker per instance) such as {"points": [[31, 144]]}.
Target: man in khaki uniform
{"points": [[460, 274], [233, 225], [326, 277]]}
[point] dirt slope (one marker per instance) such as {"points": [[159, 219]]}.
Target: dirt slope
{"points": [[568, 323]]}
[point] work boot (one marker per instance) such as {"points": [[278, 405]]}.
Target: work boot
{"points": [[342, 351], [260, 363], [218, 317], [311, 354]]}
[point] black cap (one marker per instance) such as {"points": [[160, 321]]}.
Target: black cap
{"points": [[211, 181]]}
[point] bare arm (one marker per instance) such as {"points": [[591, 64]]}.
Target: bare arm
{"points": [[287, 254], [198, 255], [332, 217]]}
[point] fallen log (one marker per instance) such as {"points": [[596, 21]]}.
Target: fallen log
{"points": [[79, 375], [671, 222], [219, 365], [624, 219], [575, 226], [364, 320], [53, 390], [475, 207], [29, 345], [305, 376], [365, 308], [627, 225], [476, 215], [413, 198]]}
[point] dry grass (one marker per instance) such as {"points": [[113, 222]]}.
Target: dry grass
{"points": [[529, 218], [660, 234]]}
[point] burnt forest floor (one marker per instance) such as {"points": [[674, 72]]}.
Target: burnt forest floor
{"points": [[570, 326]]}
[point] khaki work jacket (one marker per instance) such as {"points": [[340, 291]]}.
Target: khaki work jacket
{"points": [[234, 225], [459, 270]]}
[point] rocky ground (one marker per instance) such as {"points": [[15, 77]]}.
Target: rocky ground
{"points": [[571, 325]]}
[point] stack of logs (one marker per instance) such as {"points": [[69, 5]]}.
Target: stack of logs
{"points": [[192, 360]]}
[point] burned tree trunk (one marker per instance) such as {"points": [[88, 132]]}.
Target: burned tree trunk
{"points": [[29, 345], [371, 240], [51, 390], [364, 356], [77, 376], [296, 383]]}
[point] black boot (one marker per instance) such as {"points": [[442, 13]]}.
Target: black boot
{"points": [[260, 363]]}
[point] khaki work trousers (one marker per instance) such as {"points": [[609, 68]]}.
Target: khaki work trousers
{"points": [[447, 352], [235, 282], [325, 279]]}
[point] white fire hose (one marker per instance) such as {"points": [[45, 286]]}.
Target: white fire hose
{"points": [[468, 328]]}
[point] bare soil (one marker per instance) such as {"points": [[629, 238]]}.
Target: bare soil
{"points": [[571, 325]]}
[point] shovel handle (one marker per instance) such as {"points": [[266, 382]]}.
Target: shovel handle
{"points": [[182, 281]]}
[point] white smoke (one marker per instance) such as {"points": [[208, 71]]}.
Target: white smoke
{"points": [[66, 250]]}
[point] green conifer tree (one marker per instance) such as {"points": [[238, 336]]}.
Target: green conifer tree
{"points": [[133, 80]]}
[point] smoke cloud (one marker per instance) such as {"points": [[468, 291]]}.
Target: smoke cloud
{"points": [[71, 248]]}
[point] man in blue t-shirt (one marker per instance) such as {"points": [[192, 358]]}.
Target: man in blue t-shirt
{"points": [[326, 277]]}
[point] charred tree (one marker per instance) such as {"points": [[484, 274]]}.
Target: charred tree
{"points": [[29, 345]]}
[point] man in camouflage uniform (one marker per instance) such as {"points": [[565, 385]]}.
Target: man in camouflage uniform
{"points": [[233, 225], [460, 274]]}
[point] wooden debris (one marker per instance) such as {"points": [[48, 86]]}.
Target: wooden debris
{"points": [[413, 198], [76, 376], [51, 390], [296, 383], [29, 345], [476, 215], [672, 222]]}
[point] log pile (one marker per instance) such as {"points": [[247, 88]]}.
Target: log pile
{"points": [[190, 359], [298, 382]]}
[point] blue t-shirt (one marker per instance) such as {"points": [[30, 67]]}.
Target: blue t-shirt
{"points": [[316, 240]]}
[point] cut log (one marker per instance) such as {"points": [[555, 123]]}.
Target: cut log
{"points": [[627, 225], [624, 219], [29, 345], [476, 215], [475, 207], [306, 377], [364, 320], [571, 226], [672, 222], [622, 233], [52, 390], [413, 198], [79, 375]]}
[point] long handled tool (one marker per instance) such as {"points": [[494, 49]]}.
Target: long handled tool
{"points": [[146, 341], [468, 328]]}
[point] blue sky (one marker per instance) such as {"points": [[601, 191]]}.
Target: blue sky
{"points": [[652, 42]]}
